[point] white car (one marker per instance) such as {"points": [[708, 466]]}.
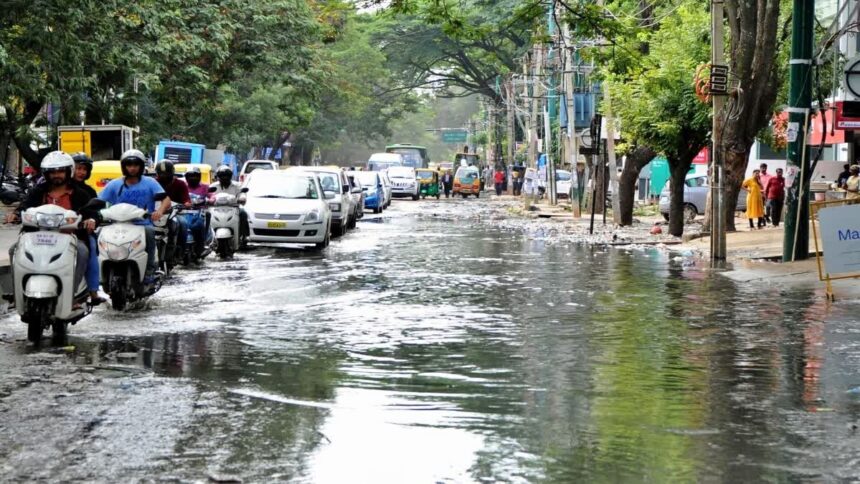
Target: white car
{"points": [[562, 183], [287, 207], [404, 183], [357, 192], [386, 189], [252, 165], [333, 180]]}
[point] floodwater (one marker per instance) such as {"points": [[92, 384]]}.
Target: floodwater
{"points": [[427, 346]]}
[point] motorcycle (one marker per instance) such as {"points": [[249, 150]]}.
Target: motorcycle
{"points": [[166, 235], [43, 270], [195, 218], [225, 223], [122, 256]]}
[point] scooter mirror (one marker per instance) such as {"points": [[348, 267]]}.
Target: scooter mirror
{"points": [[213, 189], [244, 190]]}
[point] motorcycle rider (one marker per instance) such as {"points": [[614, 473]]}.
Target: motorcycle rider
{"points": [[177, 190], [192, 178], [225, 185], [82, 173], [60, 189], [139, 190]]}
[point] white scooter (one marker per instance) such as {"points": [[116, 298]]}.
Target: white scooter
{"points": [[122, 255], [225, 222], [43, 268]]}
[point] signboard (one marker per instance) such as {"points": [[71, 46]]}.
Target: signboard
{"points": [[839, 228], [703, 157], [846, 120], [454, 136], [719, 82]]}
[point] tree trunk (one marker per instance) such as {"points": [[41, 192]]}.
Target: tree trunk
{"points": [[736, 165], [636, 160], [678, 170], [599, 182]]}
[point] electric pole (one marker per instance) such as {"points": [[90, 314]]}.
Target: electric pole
{"points": [[718, 192], [796, 238]]}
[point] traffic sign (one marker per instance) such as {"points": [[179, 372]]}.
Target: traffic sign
{"points": [[454, 135]]}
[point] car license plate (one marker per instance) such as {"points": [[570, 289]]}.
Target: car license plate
{"points": [[277, 225]]}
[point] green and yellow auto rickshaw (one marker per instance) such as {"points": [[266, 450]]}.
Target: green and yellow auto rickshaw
{"points": [[429, 183]]}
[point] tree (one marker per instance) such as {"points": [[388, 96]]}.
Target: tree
{"points": [[756, 75], [661, 110]]}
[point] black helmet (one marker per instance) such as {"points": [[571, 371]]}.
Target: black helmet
{"points": [[131, 157], [224, 171], [193, 175], [82, 158], [165, 168]]}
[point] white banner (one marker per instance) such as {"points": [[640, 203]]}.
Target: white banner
{"points": [[839, 228]]}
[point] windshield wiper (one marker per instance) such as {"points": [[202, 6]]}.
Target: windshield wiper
{"points": [[272, 196]]}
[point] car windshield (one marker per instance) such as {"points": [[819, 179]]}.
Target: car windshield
{"points": [[401, 172], [367, 179], [329, 181], [292, 187], [258, 166], [425, 175], [562, 175], [466, 173]]}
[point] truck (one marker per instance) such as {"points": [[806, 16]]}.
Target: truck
{"points": [[99, 142]]}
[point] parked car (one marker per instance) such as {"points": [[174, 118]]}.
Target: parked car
{"points": [[252, 165], [696, 190], [562, 183], [357, 192], [288, 207], [404, 183], [374, 191], [335, 181], [384, 161]]}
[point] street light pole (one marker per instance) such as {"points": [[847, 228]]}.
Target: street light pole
{"points": [[718, 212], [796, 238]]}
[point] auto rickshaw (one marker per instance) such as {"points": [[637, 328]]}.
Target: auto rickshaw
{"points": [[102, 174], [467, 181], [429, 183]]}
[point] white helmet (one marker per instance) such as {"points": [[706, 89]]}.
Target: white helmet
{"points": [[57, 160]]}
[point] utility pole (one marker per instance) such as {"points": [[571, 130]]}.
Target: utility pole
{"points": [[610, 157], [796, 238], [511, 106], [718, 192]]}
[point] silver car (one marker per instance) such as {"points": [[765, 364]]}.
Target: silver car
{"points": [[696, 190]]}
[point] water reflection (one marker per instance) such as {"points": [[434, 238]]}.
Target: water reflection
{"points": [[428, 350]]}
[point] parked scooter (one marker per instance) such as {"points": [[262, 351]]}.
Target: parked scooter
{"points": [[43, 268], [225, 223], [122, 256], [195, 218]]}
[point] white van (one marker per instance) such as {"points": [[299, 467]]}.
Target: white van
{"points": [[252, 165]]}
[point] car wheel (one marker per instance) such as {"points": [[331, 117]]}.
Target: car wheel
{"points": [[690, 212], [322, 245]]}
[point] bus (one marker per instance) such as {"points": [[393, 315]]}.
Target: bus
{"points": [[414, 156]]}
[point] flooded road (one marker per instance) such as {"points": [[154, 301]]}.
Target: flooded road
{"points": [[427, 346]]}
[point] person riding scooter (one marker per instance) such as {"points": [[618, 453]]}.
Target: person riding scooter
{"points": [[225, 184], [83, 171], [192, 178], [136, 189], [177, 191], [59, 189]]}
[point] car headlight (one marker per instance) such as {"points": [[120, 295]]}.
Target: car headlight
{"points": [[313, 217], [335, 207]]}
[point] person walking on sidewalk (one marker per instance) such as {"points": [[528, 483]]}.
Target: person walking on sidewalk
{"points": [[499, 178], [852, 184], [774, 193], [755, 204]]}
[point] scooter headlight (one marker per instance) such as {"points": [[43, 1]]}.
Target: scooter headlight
{"points": [[49, 220], [119, 251]]}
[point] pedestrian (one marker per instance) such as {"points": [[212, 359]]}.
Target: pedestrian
{"points": [[843, 177], [852, 184], [774, 193], [764, 177], [447, 182], [755, 205], [500, 180]]}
